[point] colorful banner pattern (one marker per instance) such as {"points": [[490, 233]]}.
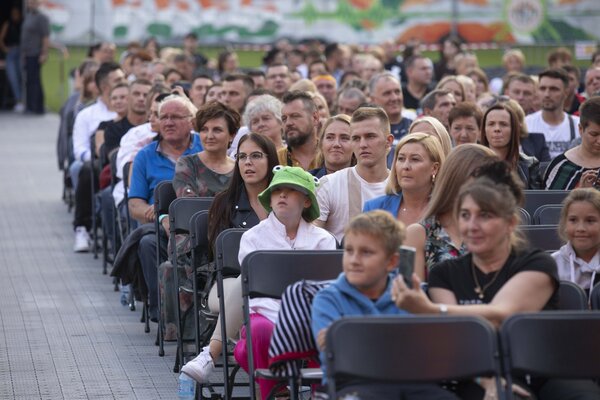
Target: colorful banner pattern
{"points": [[349, 21]]}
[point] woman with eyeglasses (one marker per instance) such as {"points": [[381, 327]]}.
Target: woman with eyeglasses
{"points": [[235, 207], [335, 146], [501, 132]]}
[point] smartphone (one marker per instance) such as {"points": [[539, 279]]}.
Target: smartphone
{"points": [[596, 184], [406, 263]]}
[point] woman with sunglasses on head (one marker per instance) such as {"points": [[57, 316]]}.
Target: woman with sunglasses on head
{"points": [[500, 131], [235, 207], [436, 237], [417, 160]]}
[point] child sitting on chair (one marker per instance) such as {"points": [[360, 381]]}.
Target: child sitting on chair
{"points": [[371, 243], [578, 260], [292, 206]]}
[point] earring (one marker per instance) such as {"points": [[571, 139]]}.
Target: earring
{"points": [[433, 178]]}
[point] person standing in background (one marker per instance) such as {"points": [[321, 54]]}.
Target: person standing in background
{"points": [[35, 40], [10, 36]]}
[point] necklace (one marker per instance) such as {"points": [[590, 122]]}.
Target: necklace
{"points": [[480, 291]]}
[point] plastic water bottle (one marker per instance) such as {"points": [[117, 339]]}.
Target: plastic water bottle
{"points": [[124, 295], [186, 387]]}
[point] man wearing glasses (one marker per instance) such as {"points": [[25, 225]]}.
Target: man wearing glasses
{"points": [[156, 163]]}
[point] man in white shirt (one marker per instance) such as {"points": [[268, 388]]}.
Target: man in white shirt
{"points": [[341, 195], [86, 123], [87, 120], [558, 127]]}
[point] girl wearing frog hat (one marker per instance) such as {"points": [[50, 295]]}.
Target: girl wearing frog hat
{"points": [[292, 206], [291, 202]]}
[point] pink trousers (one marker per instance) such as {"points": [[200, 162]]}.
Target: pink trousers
{"points": [[262, 329]]}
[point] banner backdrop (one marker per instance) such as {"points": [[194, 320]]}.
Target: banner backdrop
{"points": [[348, 21]]}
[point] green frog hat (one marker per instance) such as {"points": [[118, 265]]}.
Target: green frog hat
{"points": [[297, 179]]}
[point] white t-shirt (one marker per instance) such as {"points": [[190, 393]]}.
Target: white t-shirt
{"points": [[333, 195], [559, 136]]}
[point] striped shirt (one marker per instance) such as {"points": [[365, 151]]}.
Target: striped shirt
{"points": [[563, 174]]}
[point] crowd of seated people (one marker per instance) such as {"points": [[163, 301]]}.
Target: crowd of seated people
{"points": [[372, 152]]}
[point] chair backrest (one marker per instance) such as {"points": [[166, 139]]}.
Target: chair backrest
{"points": [[560, 344], [544, 237], [182, 209], [525, 217], [411, 349], [595, 297], [571, 297], [543, 167], [199, 230], [126, 169], [548, 214], [266, 273], [537, 198], [164, 194], [227, 247]]}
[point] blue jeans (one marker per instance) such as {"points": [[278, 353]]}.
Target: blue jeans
{"points": [[13, 71]]}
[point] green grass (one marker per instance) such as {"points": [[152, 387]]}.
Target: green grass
{"points": [[55, 71]]}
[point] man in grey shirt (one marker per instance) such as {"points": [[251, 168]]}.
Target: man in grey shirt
{"points": [[34, 49]]}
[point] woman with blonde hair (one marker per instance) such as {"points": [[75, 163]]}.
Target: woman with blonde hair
{"points": [[434, 127], [454, 85], [417, 160], [436, 237], [335, 147]]}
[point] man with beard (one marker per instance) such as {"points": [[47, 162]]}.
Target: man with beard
{"points": [[558, 127], [300, 119]]}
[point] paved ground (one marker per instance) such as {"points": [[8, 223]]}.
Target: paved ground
{"points": [[63, 332]]}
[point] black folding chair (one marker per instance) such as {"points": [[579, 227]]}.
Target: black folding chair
{"points": [[126, 169], [544, 237], [571, 297], [534, 199], [164, 194], [525, 217], [95, 159], [200, 247], [181, 211], [411, 349], [554, 344], [267, 273], [548, 214], [227, 247], [595, 297]]}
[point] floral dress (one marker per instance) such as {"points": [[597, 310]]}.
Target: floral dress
{"points": [[192, 179], [438, 245]]}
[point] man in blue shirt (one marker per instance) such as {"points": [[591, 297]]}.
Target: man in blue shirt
{"points": [[153, 164]]}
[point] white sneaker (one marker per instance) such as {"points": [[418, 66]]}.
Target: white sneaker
{"points": [[19, 107], [200, 368], [82, 240]]}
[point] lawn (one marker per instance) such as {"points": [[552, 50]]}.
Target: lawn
{"points": [[55, 71]]}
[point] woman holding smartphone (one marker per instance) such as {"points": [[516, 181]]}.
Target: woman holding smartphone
{"points": [[501, 276]]}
